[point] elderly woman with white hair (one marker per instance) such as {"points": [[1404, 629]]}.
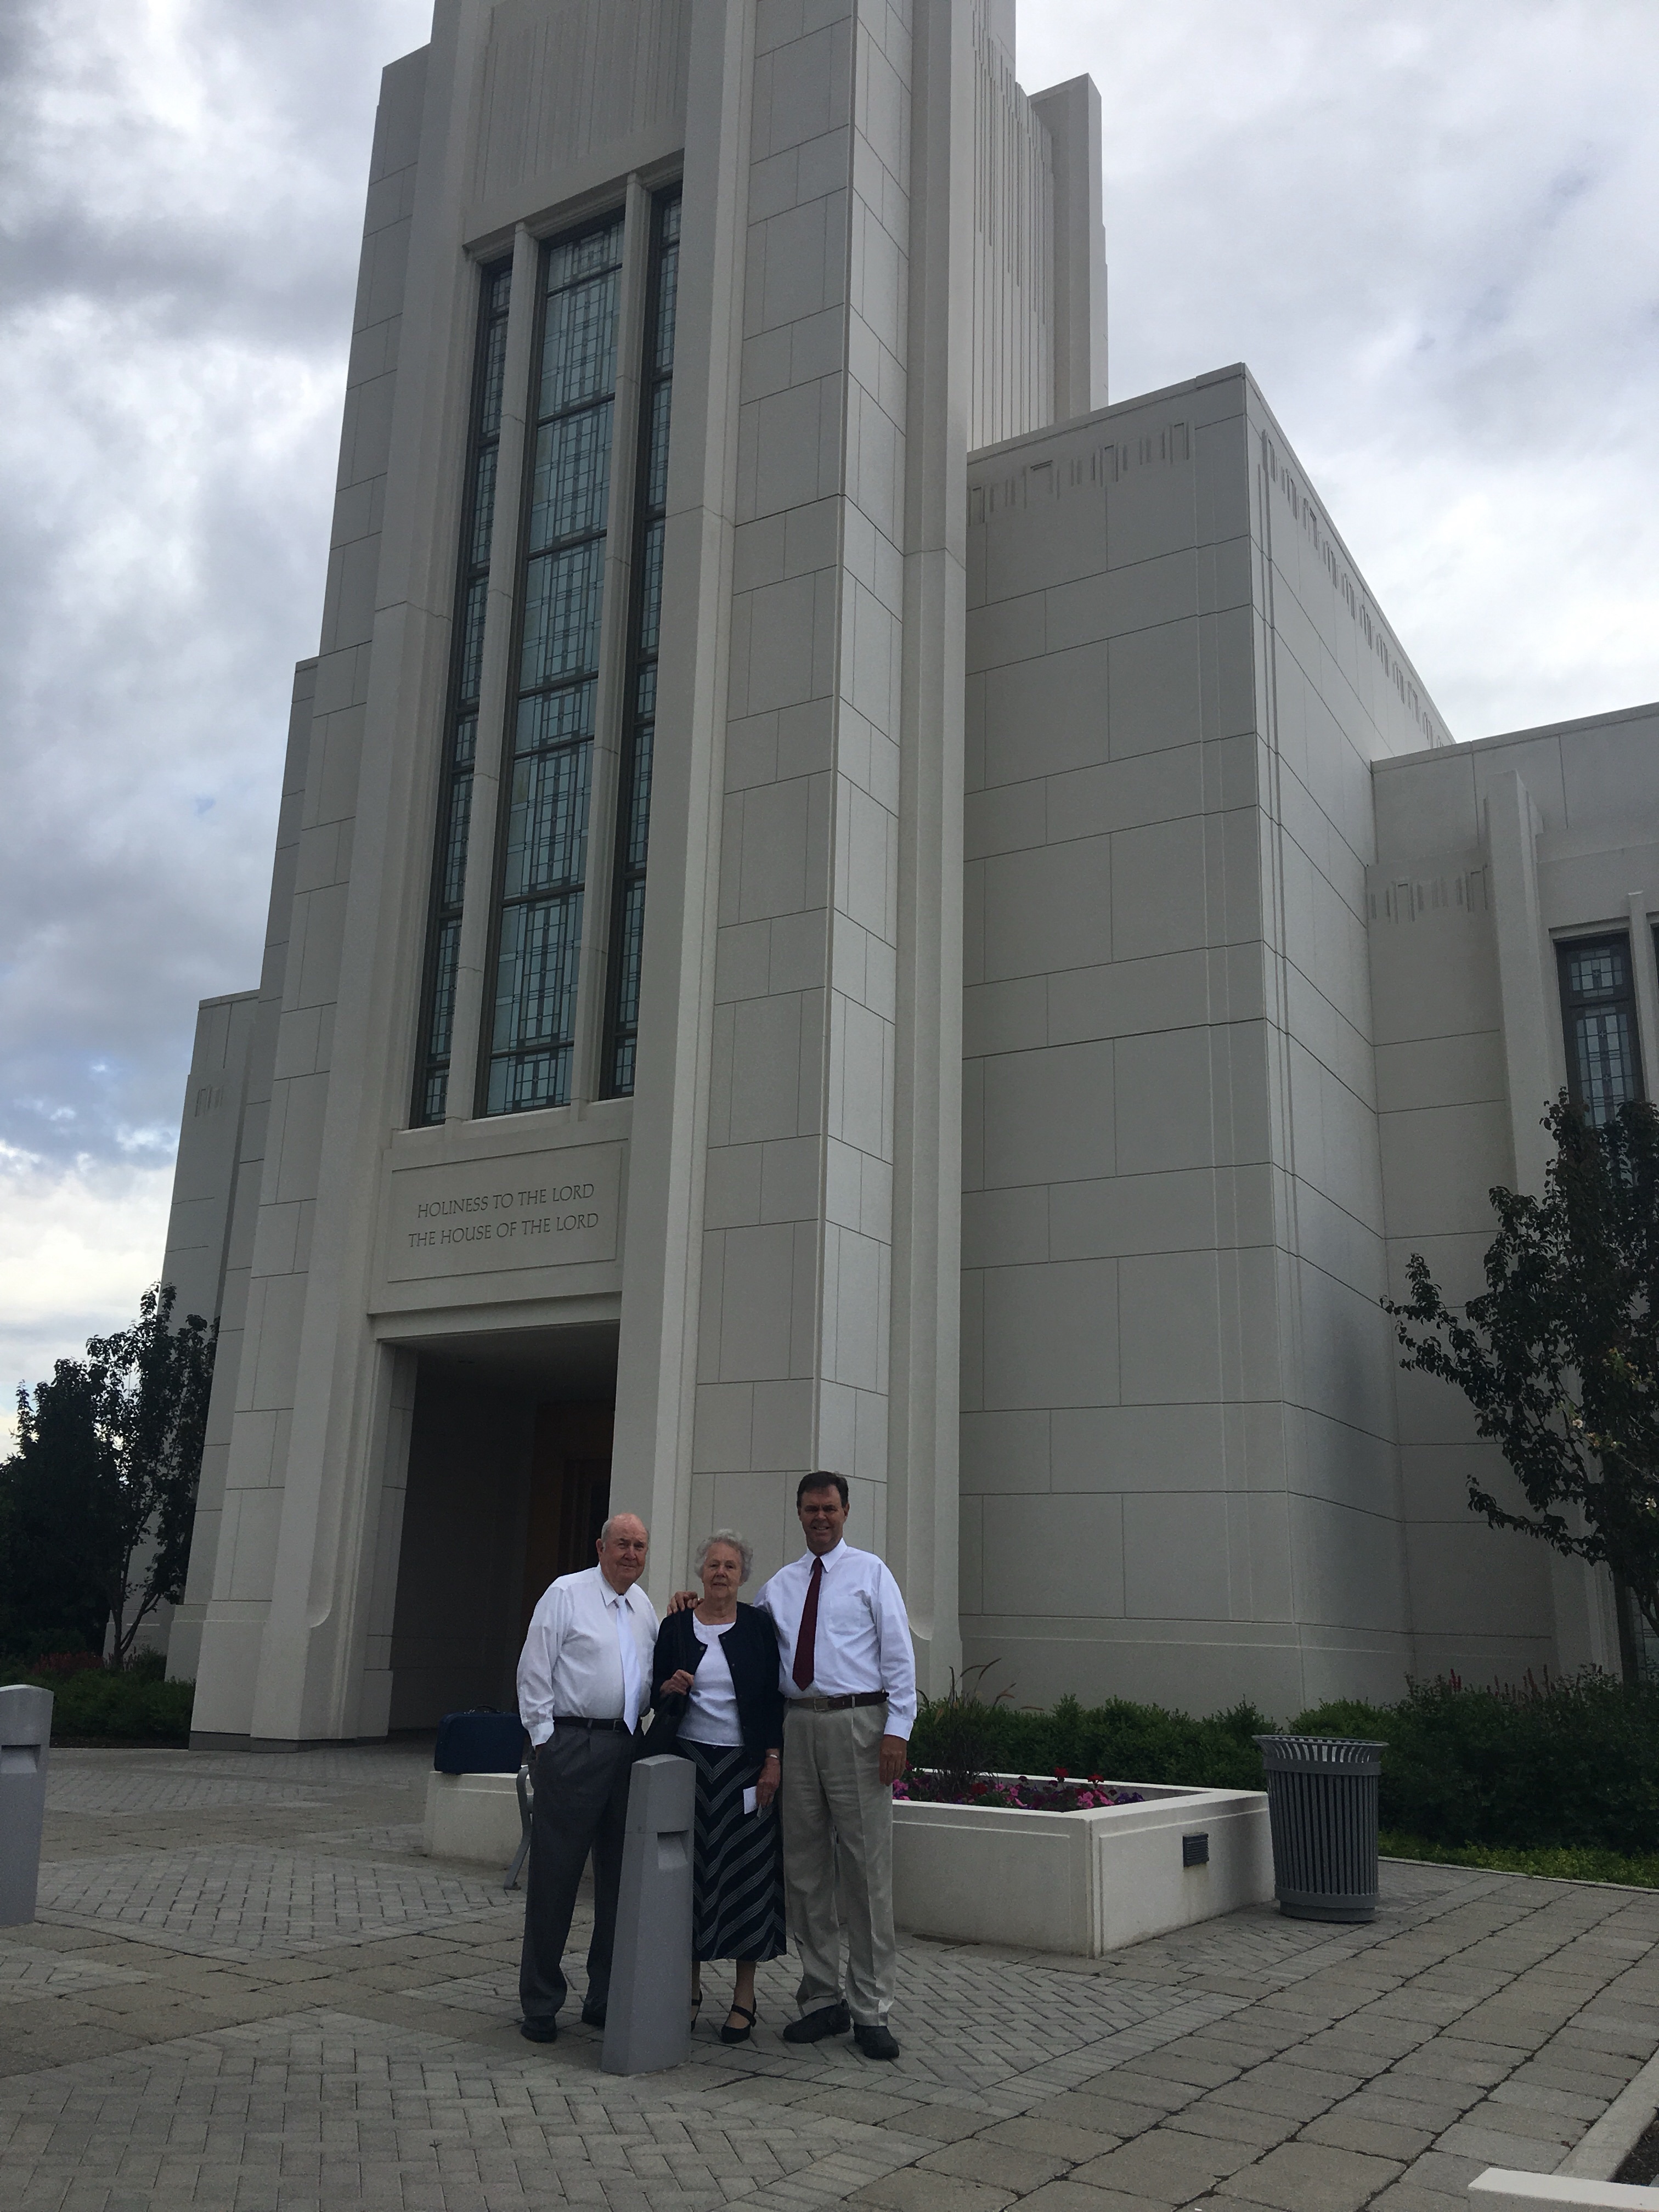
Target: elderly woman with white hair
{"points": [[714, 1686]]}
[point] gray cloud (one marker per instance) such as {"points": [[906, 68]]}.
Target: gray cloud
{"points": [[176, 263], [1427, 228]]}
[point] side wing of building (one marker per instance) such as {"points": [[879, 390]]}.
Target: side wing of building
{"points": [[1268, 983], [1179, 1474], [1511, 908]]}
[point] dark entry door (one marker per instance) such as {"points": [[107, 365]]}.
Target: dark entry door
{"points": [[570, 1494]]}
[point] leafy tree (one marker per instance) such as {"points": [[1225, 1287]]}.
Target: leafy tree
{"points": [[50, 1599], [96, 1504], [1559, 1355]]}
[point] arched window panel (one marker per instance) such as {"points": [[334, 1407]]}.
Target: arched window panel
{"points": [[543, 861], [621, 1047], [1598, 1010]]}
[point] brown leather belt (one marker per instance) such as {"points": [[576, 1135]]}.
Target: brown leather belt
{"points": [[842, 1705]]}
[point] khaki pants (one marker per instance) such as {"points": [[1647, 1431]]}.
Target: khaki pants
{"points": [[838, 1858]]}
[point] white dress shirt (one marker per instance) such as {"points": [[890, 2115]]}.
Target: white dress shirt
{"points": [[572, 1661], [863, 1638]]}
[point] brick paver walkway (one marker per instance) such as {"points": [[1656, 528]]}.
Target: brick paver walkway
{"points": [[248, 1990]]}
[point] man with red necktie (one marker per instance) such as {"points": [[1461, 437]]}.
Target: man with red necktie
{"points": [[848, 1676]]}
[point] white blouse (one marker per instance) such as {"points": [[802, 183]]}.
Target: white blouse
{"points": [[712, 1713]]}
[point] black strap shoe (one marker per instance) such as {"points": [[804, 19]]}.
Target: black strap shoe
{"points": [[814, 2026], [875, 2042]]}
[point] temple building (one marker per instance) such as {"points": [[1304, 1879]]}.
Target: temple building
{"points": [[843, 900]]}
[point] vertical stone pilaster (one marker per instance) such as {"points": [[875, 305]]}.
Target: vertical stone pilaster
{"points": [[796, 1276], [923, 1504], [1512, 825], [657, 1348]]}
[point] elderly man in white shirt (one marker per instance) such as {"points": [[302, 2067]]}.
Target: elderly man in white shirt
{"points": [[584, 1680], [848, 1677]]}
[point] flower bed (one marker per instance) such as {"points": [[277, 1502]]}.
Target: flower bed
{"points": [[998, 1868], [1059, 1793]]}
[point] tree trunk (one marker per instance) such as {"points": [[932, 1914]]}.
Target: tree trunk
{"points": [[1630, 1632], [117, 1656]]}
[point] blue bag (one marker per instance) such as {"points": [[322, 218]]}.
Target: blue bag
{"points": [[482, 1742]]}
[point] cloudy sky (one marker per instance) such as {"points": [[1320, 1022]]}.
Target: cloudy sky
{"points": [[1426, 224]]}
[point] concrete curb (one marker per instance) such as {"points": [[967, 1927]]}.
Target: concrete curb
{"points": [[1605, 2148], [1514, 1874], [1499, 2190]]}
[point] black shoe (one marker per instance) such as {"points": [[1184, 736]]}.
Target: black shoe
{"points": [[593, 2015], [730, 2034], [539, 2031], [875, 2042], [814, 2026]]}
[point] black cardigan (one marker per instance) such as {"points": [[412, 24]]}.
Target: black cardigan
{"points": [[751, 1646]]}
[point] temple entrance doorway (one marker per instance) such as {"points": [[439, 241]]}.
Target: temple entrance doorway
{"points": [[569, 1495], [508, 1482]]}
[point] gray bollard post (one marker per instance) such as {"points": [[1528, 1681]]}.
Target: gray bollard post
{"points": [[647, 2022], [25, 1735]]}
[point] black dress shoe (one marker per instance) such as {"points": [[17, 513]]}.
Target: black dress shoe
{"points": [[539, 2031], [814, 2026], [875, 2042], [593, 2015]]}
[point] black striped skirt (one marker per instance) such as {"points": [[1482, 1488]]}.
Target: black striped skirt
{"points": [[737, 1860]]}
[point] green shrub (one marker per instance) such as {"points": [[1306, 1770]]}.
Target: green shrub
{"points": [[1573, 1766], [1121, 1740], [1583, 1864], [133, 1707]]}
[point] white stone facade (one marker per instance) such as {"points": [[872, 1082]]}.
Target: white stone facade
{"points": [[1013, 1005], [1489, 857]]}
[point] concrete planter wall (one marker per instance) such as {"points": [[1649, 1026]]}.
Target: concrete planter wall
{"points": [[1084, 1883], [473, 1816]]}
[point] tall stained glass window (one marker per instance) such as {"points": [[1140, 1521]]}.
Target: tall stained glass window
{"points": [[461, 721], [544, 855], [1598, 1006], [634, 808]]}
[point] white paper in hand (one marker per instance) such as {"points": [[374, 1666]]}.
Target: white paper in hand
{"points": [[750, 1802]]}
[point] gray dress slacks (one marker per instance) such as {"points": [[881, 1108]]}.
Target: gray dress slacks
{"points": [[580, 1805]]}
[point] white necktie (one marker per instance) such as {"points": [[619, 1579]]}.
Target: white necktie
{"points": [[630, 1663]]}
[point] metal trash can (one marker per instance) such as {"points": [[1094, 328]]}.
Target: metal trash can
{"points": [[1322, 1808], [25, 1736]]}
